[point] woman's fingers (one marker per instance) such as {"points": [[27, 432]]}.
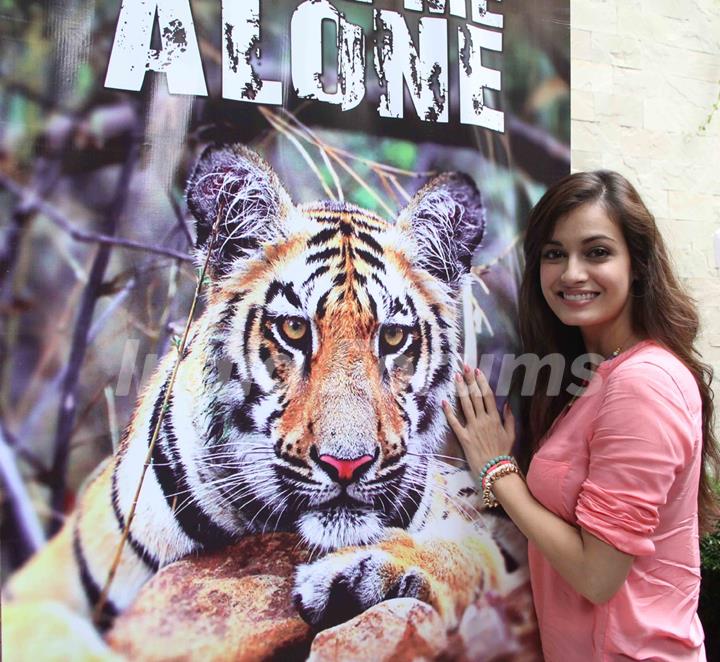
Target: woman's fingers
{"points": [[453, 422], [466, 404], [509, 425], [488, 397], [474, 390]]}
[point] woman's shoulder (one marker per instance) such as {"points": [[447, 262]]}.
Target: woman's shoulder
{"points": [[651, 366]]}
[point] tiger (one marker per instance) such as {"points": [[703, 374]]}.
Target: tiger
{"points": [[306, 399]]}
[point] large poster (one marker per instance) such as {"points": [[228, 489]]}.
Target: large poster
{"points": [[245, 245]]}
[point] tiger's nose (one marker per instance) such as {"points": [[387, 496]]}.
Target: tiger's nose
{"points": [[342, 470]]}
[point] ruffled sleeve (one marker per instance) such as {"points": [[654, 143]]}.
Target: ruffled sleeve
{"points": [[642, 438]]}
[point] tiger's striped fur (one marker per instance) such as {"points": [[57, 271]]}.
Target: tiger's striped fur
{"points": [[259, 420]]}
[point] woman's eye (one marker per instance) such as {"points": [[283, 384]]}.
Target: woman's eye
{"points": [[294, 328], [599, 252], [391, 338], [552, 254]]}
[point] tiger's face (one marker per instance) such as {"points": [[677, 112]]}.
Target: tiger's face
{"points": [[333, 337]]}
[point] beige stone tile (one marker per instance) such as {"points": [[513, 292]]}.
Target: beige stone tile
{"points": [[582, 105], [581, 44], [597, 15]]}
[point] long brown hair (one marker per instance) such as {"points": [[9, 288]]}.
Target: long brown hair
{"points": [[661, 309]]}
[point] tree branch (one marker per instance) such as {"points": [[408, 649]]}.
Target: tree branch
{"points": [[37, 204], [24, 516], [68, 392], [180, 219], [542, 156]]}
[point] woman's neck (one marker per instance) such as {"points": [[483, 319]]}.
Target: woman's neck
{"points": [[607, 342]]}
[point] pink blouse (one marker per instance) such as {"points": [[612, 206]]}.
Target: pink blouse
{"points": [[624, 464]]}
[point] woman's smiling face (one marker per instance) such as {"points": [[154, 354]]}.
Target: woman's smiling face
{"points": [[585, 272]]}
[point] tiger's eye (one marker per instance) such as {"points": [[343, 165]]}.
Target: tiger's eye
{"points": [[294, 328], [393, 335]]}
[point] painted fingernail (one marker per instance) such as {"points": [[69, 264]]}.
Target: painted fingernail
{"points": [[477, 372], [467, 367], [458, 377]]}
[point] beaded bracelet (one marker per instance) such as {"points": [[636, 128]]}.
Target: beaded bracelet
{"points": [[495, 472], [492, 470], [493, 462]]}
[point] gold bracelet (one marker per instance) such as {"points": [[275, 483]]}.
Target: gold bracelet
{"points": [[489, 499]]}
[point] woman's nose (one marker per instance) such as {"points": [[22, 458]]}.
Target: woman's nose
{"points": [[574, 271]]}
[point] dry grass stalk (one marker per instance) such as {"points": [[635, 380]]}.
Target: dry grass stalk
{"points": [[102, 600]]}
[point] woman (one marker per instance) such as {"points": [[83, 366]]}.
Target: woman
{"points": [[615, 484]]}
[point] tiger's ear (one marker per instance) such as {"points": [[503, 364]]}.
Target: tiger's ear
{"points": [[445, 221], [233, 185]]}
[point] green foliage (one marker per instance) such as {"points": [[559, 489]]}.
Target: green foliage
{"points": [[710, 544], [400, 153], [710, 551], [364, 198], [85, 80]]}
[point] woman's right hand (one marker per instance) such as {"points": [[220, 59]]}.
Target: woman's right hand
{"points": [[484, 435]]}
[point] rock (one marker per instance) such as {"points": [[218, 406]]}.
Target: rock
{"points": [[485, 633], [401, 630], [498, 629], [235, 604]]}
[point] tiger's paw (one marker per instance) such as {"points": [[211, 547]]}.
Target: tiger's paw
{"points": [[344, 584]]}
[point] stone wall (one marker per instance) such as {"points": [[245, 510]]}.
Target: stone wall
{"points": [[645, 80]]}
